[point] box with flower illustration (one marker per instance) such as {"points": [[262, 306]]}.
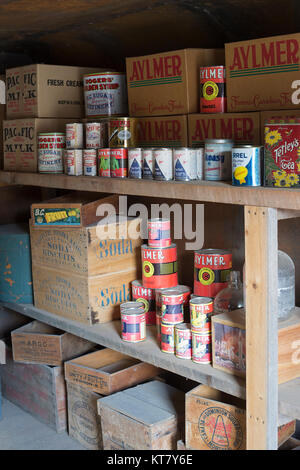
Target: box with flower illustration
{"points": [[282, 155]]}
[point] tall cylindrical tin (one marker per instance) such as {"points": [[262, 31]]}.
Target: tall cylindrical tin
{"points": [[145, 296], [163, 158], [159, 266], [135, 163], [185, 164], [201, 310], [212, 89], [96, 135], [133, 326], [211, 270], [90, 162], [246, 165], [159, 232], [104, 162], [74, 135], [201, 347], [148, 164], [51, 147], [105, 94], [74, 162], [118, 163], [217, 163], [122, 132], [183, 341]]}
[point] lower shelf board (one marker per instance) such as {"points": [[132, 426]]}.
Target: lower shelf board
{"points": [[108, 335]]}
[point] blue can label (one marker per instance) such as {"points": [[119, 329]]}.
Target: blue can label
{"points": [[246, 166]]}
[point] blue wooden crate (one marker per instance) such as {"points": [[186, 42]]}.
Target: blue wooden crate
{"points": [[15, 264]]}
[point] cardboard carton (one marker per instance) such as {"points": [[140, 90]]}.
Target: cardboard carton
{"points": [[163, 131]]}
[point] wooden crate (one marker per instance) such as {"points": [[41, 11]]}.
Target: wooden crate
{"points": [[146, 417], [217, 421], [108, 371], [39, 343], [229, 345], [38, 389], [84, 423]]}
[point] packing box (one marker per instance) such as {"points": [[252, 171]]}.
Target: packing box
{"points": [[260, 73], [243, 128], [45, 91], [290, 115], [107, 371], [20, 142], [163, 131], [39, 343], [146, 417], [229, 345], [217, 421], [2, 117], [167, 83], [38, 389]]}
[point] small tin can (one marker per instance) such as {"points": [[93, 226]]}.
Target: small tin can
{"points": [[212, 89], [148, 164], [183, 341], [74, 162], [132, 305], [159, 266], [201, 347], [211, 270], [51, 147], [74, 135], [122, 132], [104, 162], [200, 162], [135, 163], [185, 164], [158, 327], [118, 163], [167, 344], [159, 232], [90, 162], [172, 301], [163, 159], [246, 165], [218, 156], [133, 326], [96, 135], [145, 296], [201, 310], [105, 94]]}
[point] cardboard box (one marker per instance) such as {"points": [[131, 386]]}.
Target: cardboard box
{"points": [[146, 417], [2, 118], [167, 83], [20, 142], [229, 345], [46, 91], [260, 73], [108, 371], [290, 115], [163, 131], [39, 343], [243, 128]]}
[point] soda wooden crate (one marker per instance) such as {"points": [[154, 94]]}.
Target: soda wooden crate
{"points": [[107, 371], [146, 417], [229, 344], [39, 343], [38, 389], [84, 423], [217, 421], [2, 361]]}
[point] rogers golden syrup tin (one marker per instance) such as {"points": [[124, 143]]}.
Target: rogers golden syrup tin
{"points": [[122, 133]]}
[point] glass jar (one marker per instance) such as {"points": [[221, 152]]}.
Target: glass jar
{"points": [[230, 298]]}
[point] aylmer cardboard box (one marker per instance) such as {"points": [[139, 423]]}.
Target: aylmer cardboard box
{"points": [[171, 131], [243, 128], [290, 115], [260, 73], [40, 90], [167, 83], [20, 142]]}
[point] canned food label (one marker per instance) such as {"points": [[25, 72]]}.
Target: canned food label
{"points": [[118, 163], [246, 165], [148, 164], [57, 216], [105, 94], [50, 153], [104, 162]]}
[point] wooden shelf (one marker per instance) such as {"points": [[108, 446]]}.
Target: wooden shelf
{"points": [[204, 191]]}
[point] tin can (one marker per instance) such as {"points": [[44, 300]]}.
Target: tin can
{"points": [[167, 344], [246, 165], [133, 326], [211, 271], [96, 135], [148, 164], [158, 327], [132, 305], [104, 162], [172, 306], [200, 162], [74, 135], [51, 147], [118, 163], [159, 266], [163, 161], [217, 162], [74, 162], [105, 94], [158, 300], [201, 310], [212, 89], [90, 162], [183, 341], [146, 297], [201, 347], [185, 164], [122, 132], [186, 293], [159, 232], [135, 163]]}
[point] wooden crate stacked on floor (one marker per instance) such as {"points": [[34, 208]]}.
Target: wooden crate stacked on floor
{"points": [[2, 361], [91, 376]]}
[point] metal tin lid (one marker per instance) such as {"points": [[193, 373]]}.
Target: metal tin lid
{"points": [[247, 147], [198, 333], [133, 312], [183, 326], [134, 148], [52, 133], [163, 148], [132, 305], [201, 300], [219, 141], [137, 283], [157, 219], [158, 248], [102, 73], [178, 289], [212, 251]]}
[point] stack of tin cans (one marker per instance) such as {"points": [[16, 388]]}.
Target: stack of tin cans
{"points": [[73, 157]]}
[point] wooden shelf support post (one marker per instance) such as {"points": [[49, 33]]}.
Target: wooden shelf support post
{"points": [[261, 245]]}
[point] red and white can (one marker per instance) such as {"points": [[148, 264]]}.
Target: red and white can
{"points": [[74, 162], [183, 341], [118, 163], [51, 147], [148, 163], [133, 326], [167, 344], [159, 266], [90, 162], [74, 135], [132, 305], [96, 135], [172, 306], [201, 347], [159, 232], [145, 296], [211, 271], [212, 89], [201, 310], [104, 162]]}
